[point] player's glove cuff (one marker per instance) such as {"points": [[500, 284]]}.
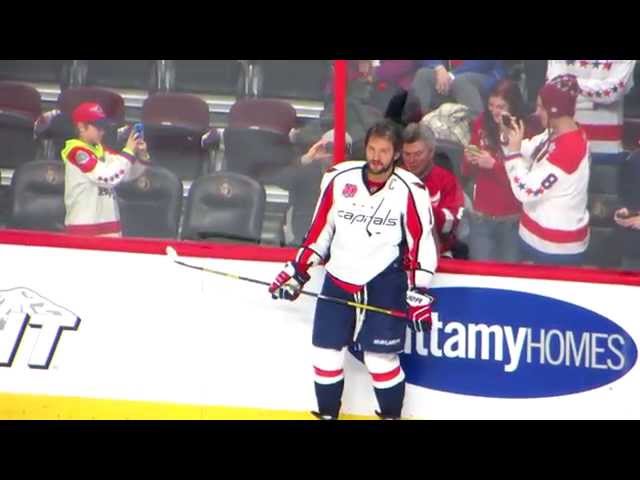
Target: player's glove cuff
{"points": [[419, 309]]}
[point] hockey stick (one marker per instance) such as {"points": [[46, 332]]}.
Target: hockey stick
{"points": [[173, 255]]}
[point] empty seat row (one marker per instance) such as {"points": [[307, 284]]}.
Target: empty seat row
{"points": [[291, 79], [57, 72], [256, 139]]}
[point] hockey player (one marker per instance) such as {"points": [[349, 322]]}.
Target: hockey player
{"points": [[369, 215], [92, 171], [549, 174], [447, 199]]}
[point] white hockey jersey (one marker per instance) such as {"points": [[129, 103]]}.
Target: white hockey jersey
{"points": [[91, 174], [599, 110], [551, 179], [362, 233]]}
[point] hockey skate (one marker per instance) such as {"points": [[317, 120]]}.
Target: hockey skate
{"points": [[387, 417], [320, 416]]}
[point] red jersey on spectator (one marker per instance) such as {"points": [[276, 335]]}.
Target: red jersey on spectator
{"points": [[447, 202], [492, 194]]}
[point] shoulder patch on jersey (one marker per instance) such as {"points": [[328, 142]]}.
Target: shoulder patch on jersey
{"points": [[568, 151], [82, 157], [349, 190]]}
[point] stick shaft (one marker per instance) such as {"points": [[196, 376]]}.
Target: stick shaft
{"points": [[372, 308]]}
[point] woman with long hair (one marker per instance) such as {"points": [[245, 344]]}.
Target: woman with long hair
{"points": [[496, 211]]}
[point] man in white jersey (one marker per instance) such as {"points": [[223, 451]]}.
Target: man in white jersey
{"points": [[372, 226], [549, 174]]}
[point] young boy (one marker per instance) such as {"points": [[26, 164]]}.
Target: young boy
{"points": [[92, 171]]}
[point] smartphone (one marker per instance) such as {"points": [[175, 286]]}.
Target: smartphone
{"points": [[506, 121], [138, 129], [473, 149], [628, 215]]}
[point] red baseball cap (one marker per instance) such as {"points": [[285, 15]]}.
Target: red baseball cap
{"points": [[90, 112], [559, 95]]}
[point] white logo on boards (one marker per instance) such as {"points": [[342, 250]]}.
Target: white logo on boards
{"points": [[21, 308]]}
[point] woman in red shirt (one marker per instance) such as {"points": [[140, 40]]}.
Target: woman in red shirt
{"points": [[496, 212]]}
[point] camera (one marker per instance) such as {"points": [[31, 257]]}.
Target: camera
{"points": [[138, 129]]}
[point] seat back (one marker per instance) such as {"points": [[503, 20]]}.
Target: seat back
{"points": [[174, 125], [124, 74], [150, 206], [38, 196], [225, 206], [19, 108], [213, 77], [293, 79]]}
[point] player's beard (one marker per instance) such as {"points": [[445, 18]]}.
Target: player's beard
{"points": [[380, 170]]}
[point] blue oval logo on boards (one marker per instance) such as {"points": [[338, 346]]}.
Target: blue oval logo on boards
{"points": [[501, 343]]}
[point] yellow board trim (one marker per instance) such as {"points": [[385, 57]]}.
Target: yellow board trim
{"points": [[48, 407]]}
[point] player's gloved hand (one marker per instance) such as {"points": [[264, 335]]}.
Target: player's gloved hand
{"points": [[289, 282], [419, 309]]}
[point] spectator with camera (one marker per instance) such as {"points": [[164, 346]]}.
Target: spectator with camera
{"points": [[549, 174], [496, 211], [305, 189], [302, 179], [628, 217], [92, 171]]}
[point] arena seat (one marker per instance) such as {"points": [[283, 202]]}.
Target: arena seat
{"points": [[224, 207], [151, 205], [38, 196]]}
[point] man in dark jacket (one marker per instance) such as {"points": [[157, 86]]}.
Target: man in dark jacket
{"points": [[629, 217]]}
